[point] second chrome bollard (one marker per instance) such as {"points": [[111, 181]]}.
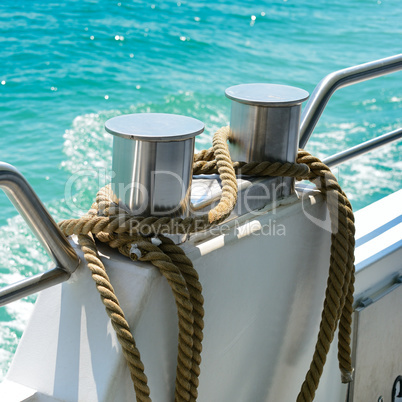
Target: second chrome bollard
{"points": [[264, 124]]}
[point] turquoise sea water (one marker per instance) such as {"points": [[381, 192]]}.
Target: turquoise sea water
{"points": [[66, 67]]}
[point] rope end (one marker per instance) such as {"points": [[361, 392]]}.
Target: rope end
{"points": [[346, 376], [135, 252]]}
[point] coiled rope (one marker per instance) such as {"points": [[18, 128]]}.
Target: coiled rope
{"points": [[110, 223]]}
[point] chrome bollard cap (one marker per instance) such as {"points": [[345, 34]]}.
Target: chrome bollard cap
{"points": [[154, 127], [152, 162], [272, 95], [264, 125]]}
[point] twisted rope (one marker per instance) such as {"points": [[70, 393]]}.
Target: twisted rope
{"points": [[111, 223], [338, 300], [112, 217], [286, 169], [118, 320], [191, 277], [339, 293], [173, 275], [167, 251]]}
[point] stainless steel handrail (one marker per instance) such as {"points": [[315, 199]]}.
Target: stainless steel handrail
{"points": [[363, 148], [339, 79], [45, 229]]}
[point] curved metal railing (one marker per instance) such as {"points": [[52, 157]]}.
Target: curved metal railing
{"points": [[363, 148], [339, 79], [45, 229]]}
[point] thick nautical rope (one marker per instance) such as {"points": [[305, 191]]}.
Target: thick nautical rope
{"points": [[111, 217], [340, 286], [118, 320], [186, 380], [184, 281], [111, 223], [276, 169]]}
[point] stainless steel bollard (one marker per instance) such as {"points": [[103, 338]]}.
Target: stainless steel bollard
{"points": [[264, 123], [152, 162]]}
